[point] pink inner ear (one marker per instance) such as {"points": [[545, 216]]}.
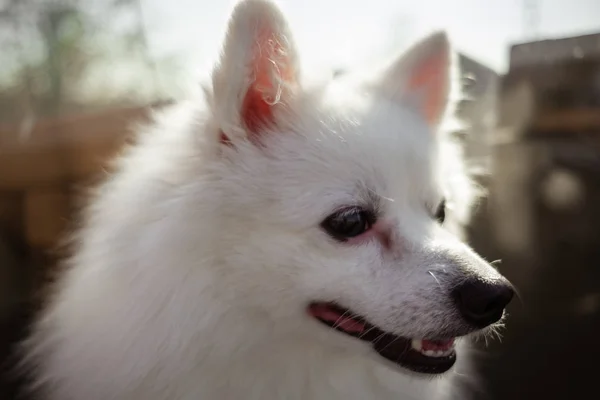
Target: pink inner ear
{"points": [[430, 79], [256, 112], [271, 67]]}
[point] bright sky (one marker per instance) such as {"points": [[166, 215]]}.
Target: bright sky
{"points": [[344, 31]]}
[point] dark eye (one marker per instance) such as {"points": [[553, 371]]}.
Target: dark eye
{"points": [[440, 213], [348, 223]]}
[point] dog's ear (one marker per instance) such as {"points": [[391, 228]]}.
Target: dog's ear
{"points": [[257, 73], [421, 78]]}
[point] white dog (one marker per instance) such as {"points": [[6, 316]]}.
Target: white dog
{"points": [[276, 241]]}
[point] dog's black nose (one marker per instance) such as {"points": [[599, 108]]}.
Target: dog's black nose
{"points": [[482, 303]]}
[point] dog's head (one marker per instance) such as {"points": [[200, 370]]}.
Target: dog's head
{"points": [[332, 200]]}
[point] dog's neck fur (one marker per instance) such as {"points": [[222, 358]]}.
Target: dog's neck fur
{"points": [[290, 368], [303, 370]]}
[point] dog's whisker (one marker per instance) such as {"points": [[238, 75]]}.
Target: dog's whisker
{"points": [[362, 335], [378, 338], [435, 277], [518, 294], [391, 343], [341, 318]]}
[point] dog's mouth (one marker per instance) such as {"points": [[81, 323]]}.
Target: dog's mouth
{"points": [[419, 355]]}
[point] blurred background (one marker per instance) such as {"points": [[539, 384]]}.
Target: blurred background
{"points": [[75, 74]]}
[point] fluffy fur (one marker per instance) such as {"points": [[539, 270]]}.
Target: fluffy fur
{"points": [[197, 258]]}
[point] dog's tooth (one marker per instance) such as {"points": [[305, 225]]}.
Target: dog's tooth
{"points": [[417, 344], [446, 353]]}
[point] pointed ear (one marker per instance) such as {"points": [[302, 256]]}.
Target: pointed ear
{"points": [[421, 78], [258, 70]]}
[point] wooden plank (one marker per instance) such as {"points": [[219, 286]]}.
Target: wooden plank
{"points": [[568, 120], [11, 208], [46, 213], [64, 149]]}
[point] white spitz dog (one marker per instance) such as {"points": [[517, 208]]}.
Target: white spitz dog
{"points": [[276, 240]]}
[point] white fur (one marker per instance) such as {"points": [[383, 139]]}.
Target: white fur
{"points": [[196, 259]]}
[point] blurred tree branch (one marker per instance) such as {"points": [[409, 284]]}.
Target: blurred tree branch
{"points": [[59, 56]]}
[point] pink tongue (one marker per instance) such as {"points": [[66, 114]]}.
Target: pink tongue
{"points": [[340, 321], [437, 345]]}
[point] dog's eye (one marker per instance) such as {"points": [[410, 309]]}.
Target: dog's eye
{"points": [[348, 223], [440, 213]]}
